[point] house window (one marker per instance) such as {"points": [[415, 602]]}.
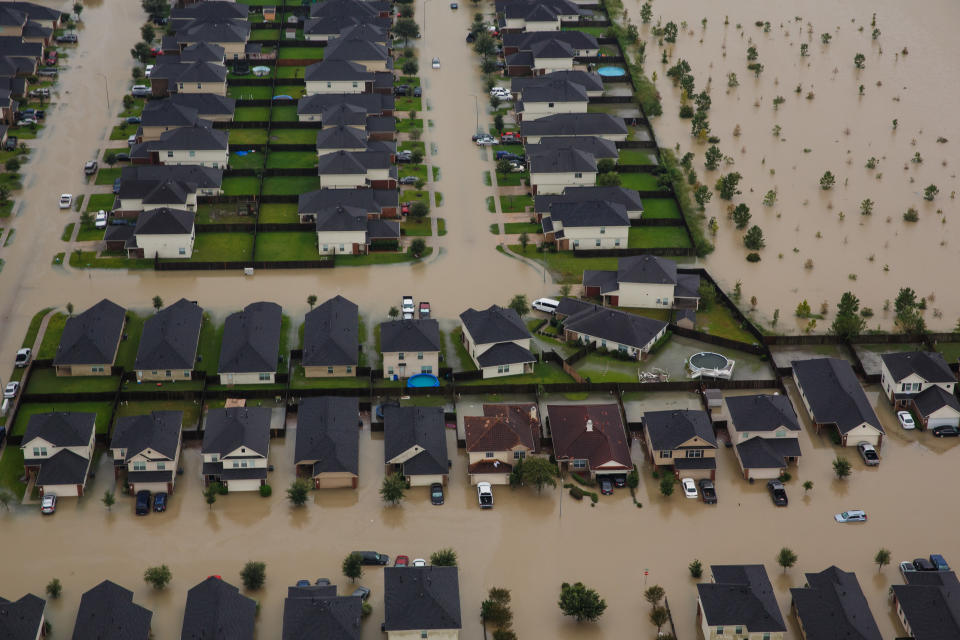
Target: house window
{"points": [[780, 433], [550, 104], [329, 85], [243, 464], [503, 368], [193, 154], [603, 343], [576, 243], [420, 355], [603, 230], [214, 457], [621, 349], [199, 86], [354, 84], [910, 387], [341, 248], [578, 175], [489, 454], [390, 371], [182, 251], [616, 242], [694, 453], [719, 631], [161, 466], [597, 242], [423, 634], [666, 454], [329, 369], [579, 464], [738, 630], [325, 247], [139, 466], [169, 154], [349, 369], [400, 356], [766, 636], [519, 455], [265, 377], [426, 369], [236, 464], [169, 373]]}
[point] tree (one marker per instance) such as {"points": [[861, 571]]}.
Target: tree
{"points": [[882, 558], [581, 602], [484, 46], [753, 239], [606, 165], [419, 209], [752, 53], [311, 300], [741, 216], [670, 32], [848, 322], [147, 33], [418, 247], [157, 302], [786, 558], [108, 500], [827, 181], [858, 60], [158, 577], [565, 289], [646, 13], [69, 308], [519, 304], [699, 125], [13, 165], [298, 492], [394, 313], [807, 486], [702, 195], [128, 101], [538, 472], [659, 617], [803, 50], [141, 52], [504, 166], [406, 28], [253, 575], [353, 566], [211, 493], [496, 609], [866, 207], [756, 67], [666, 484], [611, 179], [712, 157], [410, 67], [727, 185], [907, 312], [695, 568], [54, 588], [930, 192], [86, 219], [841, 467], [498, 122], [654, 594], [393, 488], [77, 9], [156, 8], [445, 557], [524, 240]]}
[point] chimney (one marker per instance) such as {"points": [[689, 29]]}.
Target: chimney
{"points": [[589, 426]]}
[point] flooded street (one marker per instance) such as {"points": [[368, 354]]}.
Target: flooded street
{"points": [[835, 129]]}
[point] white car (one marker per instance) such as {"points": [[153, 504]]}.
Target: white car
{"points": [[23, 357], [132, 140], [23, 122], [436, 63], [149, 70], [48, 504], [546, 305], [853, 515], [689, 487], [419, 562], [66, 200], [484, 495], [407, 308], [10, 391], [485, 139], [496, 90], [906, 420], [100, 222]]}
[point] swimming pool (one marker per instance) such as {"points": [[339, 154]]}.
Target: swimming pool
{"points": [[423, 380], [710, 364], [612, 71]]}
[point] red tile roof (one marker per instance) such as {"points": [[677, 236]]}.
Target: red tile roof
{"points": [[502, 427], [605, 442]]}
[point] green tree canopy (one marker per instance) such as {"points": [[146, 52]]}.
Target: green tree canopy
{"points": [[581, 602]]}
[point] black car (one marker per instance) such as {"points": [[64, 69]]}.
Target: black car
{"points": [[708, 492], [922, 564], [777, 492], [133, 120], [116, 185], [160, 502], [408, 180], [417, 92], [606, 486], [67, 37], [143, 503], [471, 37], [945, 431], [436, 493], [372, 557], [10, 144], [620, 480], [3, 434], [122, 157], [401, 90]]}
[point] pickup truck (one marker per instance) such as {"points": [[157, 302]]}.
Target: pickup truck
{"points": [[484, 495], [424, 310], [407, 308]]}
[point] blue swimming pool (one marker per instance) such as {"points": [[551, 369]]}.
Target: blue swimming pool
{"points": [[423, 380], [612, 71]]}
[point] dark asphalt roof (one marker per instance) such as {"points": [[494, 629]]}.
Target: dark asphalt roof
{"points": [[63, 467], [563, 160], [134, 477], [324, 103], [408, 427], [615, 326], [409, 335], [605, 442], [330, 334], [590, 81], [687, 464], [598, 147], [935, 397], [35, 11], [931, 604], [21, 620], [767, 453], [337, 70], [762, 412], [157, 430], [572, 306], [226, 430], [354, 48], [327, 434], [590, 214], [670, 429], [202, 52], [834, 393], [251, 339], [688, 286], [214, 30], [164, 221], [627, 197], [929, 365], [741, 595], [494, 324], [505, 353], [61, 428], [380, 229], [503, 427], [370, 200], [606, 280], [421, 598], [341, 219], [553, 48], [107, 612], [308, 616], [341, 137], [574, 124], [647, 269], [91, 337], [352, 162], [210, 9], [216, 611], [358, 8], [167, 113], [833, 607], [195, 137], [520, 8], [206, 104], [555, 91]]}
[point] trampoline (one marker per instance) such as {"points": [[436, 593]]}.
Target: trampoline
{"points": [[709, 364]]}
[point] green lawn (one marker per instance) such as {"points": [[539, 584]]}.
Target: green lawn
{"points": [[416, 170], [405, 104], [441, 227], [511, 179], [252, 160], [208, 349], [290, 72], [112, 152], [251, 114], [379, 258], [300, 381], [436, 173], [99, 201], [286, 113], [67, 232], [225, 213], [413, 81], [719, 321], [51, 337], [11, 470], [28, 409], [639, 181], [949, 350], [607, 369], [293, 136], [34, 327], [241, 186], [413, 227], [191, 410], [661, 208], [658, 237], [127, 351], [515, 204], [543, 373], [89, 233], [409, 195], [264, 35], [637, 156], [283, 246], [248, 93], [135, 110], [291, 160], [597, 32], [491, 203], [521, 227], [118, 260], [107, 176], [247, 136], [289, 185], [406, 125], [438, 197], [47, 381], [123, 131], [300, 53], [222, 247], [278, 212]]}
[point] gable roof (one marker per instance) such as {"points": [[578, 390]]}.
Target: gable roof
{"points": [[503, 427], [328, 104], [330, 334], [216, 611], [589, 214], [593, 432], [494, 324], [107, 612], [762, 412], [409, 335], [358, 8], [834, 393], [615, 326], [310, 614], [930, 602], [251, 339], [214, 30], [192, 175], [355, 48], [741, 594], [767, 453], [341, 137], [61, 428], [833, 606], [167, 113], [935, 397], [21, 620], [206, 104], [91, 337], [370, 200], [421, 598], [407, 427], [353, 162], [505, 353], [929, 365], [563, 160], [589, 80], [574, 124], [327, 434], [670, 429], [558, 90], [210, 9], [593, 145], [336, 71], [226, 430], [63, 467], [197, 137], [164, 221], [647, 269], [629, 198], [157, 430]]}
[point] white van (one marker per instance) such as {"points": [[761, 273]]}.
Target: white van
{"points": [[547, 305]]}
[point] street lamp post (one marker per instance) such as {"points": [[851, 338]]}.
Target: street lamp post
{"points": [[476, 109], [106, 89]]}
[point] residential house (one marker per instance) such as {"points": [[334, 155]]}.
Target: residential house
{"points": [[144, 187], [354, 47], [542, 57], [203, 52], [682, 441], [57, 449], [337, 76], [147, 447], [357, 169], [350, 230], [409, 347], [589, 439], [415, 444], [421, 602], [926, 605], [365, 10], [23, 619], [318, 612], [376, 202], [12, 21], [173, 76], [629, 198], [163, 233], [209, 10], [497, 440], [330, 339], [350, 109], [614, 330], [497, 341], [367, 31], [602, 125], [161, 116], [209, 106], [552, 172], [548, 98], [834, 398], [923, 382], [90, 340], [591, 81], [582, 44], [832, 606], [330, 27], [230, 34], [44, 16], [341, 137], [328, 441], [586, 225], [530, 16], [764, 431], [197, 144], [645, 281], [217, 611], [107, 612], [251, 343], [236, 444], [599, 148], [739, 602]]}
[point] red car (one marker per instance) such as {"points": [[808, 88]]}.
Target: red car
{"points": [[404, 208], [510, 136], [401, 561], [52, 58]]}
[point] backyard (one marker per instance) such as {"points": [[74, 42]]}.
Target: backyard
{"points": [[27, 409], [286, 246], [222, 247]]}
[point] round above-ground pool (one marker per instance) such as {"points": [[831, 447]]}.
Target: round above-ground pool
{"points": [[423, 380], [612, 71], [708, 363], [260, 71]]}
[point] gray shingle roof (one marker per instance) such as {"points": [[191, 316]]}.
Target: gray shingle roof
{"points": [[352, 162], [552, 49], [61, 428], [597, 147], [421, 598], [574, 124], [647, 269], [605, 280], [341, 137], [206, 104], [157, 430], [555, 91], [107, 612], [931, 604], [226, 430], [494, 324], [767, 453], [216, 611], [214, 30], [520, 8], [833, 607], [195, 137], [308, 615], [355, 48], [590, 214], [605, 442], [327, 103], [63, 467], [357, 8], [210, 10], [563, 160], [10, 17], [21, 620], [167, 113], [380, 229], [615, 326], [327, 434], [91, 337], [406, 427], [590, 81], [330, 334], [627, 197], [929, 365], [409, 335], [341, 219], [762, 412], [834, 393], [741, 595], [505, 353], [337, 71], [202, 52], [669, 429], [251, 339], [164, 221], [935, 397], [35, 11], [370, 200]]}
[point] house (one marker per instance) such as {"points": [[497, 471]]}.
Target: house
{"points": [[318, 612], [203, 52], [357, 169], [350, 109], [236, 443], [832, 606], [196, 144], [330, 339], [591, 81], [339, 137], [90, 340], [739, 602], [327, 28], [683, 440], [216, 611], [415, 444], [350, 230], [554, 96], [163, 233], [337, 76], [422, 602], [328, 441], [209, 10], [12, 21], [209, 106], [926, 605], [586, 225], [160, 116], [367, 31], [542, 57], [764, 431], [645, 281], [582, 44], [409, 347], [144, 187], [363, 9], [599, 148], [251, 342], [589, 439], [834, 398], [552, 172], [23, 619], [497, 440], [148, 448], [376, 202], [629, 198], [230, 34], [107, 612], [354, 47], [922, 382], [497, 341], [602, 125], [614, 330], [175, 76], [44, 16], [529, 16]]}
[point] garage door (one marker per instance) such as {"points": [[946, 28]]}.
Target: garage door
{"points": [[941, 422], [243, 485], [333, 483]]}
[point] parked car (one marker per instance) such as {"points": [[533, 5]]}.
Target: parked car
{"points": [[372, 557], [27, 121], [132, 140], [470, 38], [905, 568], [509, 137], [436, 493], [122, 157], [546, 305], [405, 156], [100, 222], [453, 5], [505, 155], [10, 144], [40, 92], [402, 561], [435, 63], [853, 515], [23, 357], [133, 120], [417, 92], [419, 562], [516, 167], [140, 91], [606, 486], [116, 185], [939, 562], [160, 502], [945, 431], [619, 480], [303, 583], [70, 38], [777, 492], [11, 390], [408, 180], [424, 310], [3, 434], [361, 592], [485, 139], [484, 495], [906, 420], [149, 70], [321, 582], [869, 454], [407, 308], [401, 90], [51, 58], [922, 564], [708, 491], [90, 168], [48, 504], [66, 200], [39, 114], [689, 487], [404, 208], [142, 507]]}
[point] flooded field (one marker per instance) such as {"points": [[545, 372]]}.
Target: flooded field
{"points": [[825, 124]]}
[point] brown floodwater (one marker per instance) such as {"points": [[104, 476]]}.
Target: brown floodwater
{"points": [[841, 130]]}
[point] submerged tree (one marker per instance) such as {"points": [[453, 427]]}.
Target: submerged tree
{"points": [[753, 239], [848, 322], [858, 60], [786, 558], [827, 181], [581, 602]]}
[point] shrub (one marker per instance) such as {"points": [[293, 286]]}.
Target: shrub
{"points": [[753, 256], [265, 491], [585, 481], [686, 111], [576, 492], [253, 575]]}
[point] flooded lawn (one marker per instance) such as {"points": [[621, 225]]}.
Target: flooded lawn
{"points": [[869, 354]]}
